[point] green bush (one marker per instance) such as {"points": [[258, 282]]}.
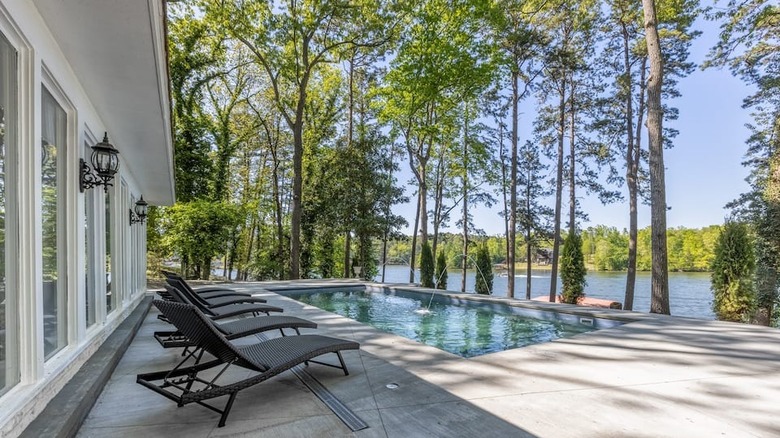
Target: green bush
{"points": [[441, 271], [426, 266], [732, 274], [484, 271], [572, 269]]}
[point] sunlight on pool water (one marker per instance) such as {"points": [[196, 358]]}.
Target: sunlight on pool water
{"points": [[463, 330]]}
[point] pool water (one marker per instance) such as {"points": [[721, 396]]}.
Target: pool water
{"points": [[463, 330]]}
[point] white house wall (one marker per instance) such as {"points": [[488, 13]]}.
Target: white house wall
{"points": [[42, 63]]}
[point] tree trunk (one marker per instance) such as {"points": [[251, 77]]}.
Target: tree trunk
{"points": [[297, 207], [351, 99], [347, 255], [384, 256], [423, 213], [572, 185], [387, 217], [225, 265], [278, 215], [511, 244], [558, 192], [502, 156], [438, 201], [465, 201], [528, 238], [414, 240], [632, 170], [659, 302]]}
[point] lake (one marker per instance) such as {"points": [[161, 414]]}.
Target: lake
{"points": [[689, 292]]}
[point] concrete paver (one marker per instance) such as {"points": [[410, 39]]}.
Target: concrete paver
{"points": [[658, 376]]}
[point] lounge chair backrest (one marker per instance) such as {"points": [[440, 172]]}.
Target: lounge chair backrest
{"points": [[185, 298], [199, 330], [177, 277], [180, 298], [193, 297]]}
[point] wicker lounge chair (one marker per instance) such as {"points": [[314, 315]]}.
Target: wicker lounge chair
{"points": [[205, 291], [267, 358], [212, 302], [220, 312], [233, 329]]}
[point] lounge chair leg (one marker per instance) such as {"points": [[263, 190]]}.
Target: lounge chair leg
{"points": [[343, 365], [226, 411]]}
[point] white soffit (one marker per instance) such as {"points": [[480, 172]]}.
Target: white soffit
{"points": [[117, 50]]}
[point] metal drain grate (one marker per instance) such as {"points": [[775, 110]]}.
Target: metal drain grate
{"points": [[349, 418]]}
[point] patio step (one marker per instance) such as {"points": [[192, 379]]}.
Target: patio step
{"points": [[63, 416]]}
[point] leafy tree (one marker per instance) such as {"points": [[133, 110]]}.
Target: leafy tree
{"points": [[624, 67], [732, 274], [197, 231], [659, 297], [439, 62], [441, 271], [520, 43], [426, 266], [749, 46], [195, 59], [534, 217], [290, 42], [484, 268], [572, 269]]}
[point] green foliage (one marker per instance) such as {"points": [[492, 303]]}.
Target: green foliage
{"points": [[749, 45], [732, 274], [690, 250], [441, 271], [572, 269], [426, 266], [484, 274], [197, 231]]}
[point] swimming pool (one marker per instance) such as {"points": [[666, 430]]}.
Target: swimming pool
{"points": [[466, 330]]}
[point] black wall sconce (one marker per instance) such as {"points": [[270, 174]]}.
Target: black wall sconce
{"points": [[105, 161], [139, 215]]}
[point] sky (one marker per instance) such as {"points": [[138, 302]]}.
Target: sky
{"points": [[703, 169]]}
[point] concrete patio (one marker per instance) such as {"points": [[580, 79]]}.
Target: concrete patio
{"points": [[658, 376]]}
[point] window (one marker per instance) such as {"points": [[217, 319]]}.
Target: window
{"points": [[9, 373], [55, 299], [89, 253]]}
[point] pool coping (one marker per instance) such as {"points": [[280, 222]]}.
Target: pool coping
{"points": [[624, 316]]}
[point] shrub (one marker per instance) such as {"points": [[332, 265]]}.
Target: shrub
{"points": [[732, 273], [426, 266], [441, 271], [572, 269], [484, 272]]}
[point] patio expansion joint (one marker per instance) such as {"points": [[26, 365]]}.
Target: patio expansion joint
{"points": [[373, 394]]}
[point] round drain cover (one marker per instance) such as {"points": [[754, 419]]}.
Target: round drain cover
{"points": [[392, 386]]}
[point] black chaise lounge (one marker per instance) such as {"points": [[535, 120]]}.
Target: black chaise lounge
{"points": [[220, 312], [205, 291], [268, 358], [212, 302], [233, 329]]}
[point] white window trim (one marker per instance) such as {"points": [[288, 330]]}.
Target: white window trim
{"points": [[66, 233], [12, 315], [24, 265]]}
